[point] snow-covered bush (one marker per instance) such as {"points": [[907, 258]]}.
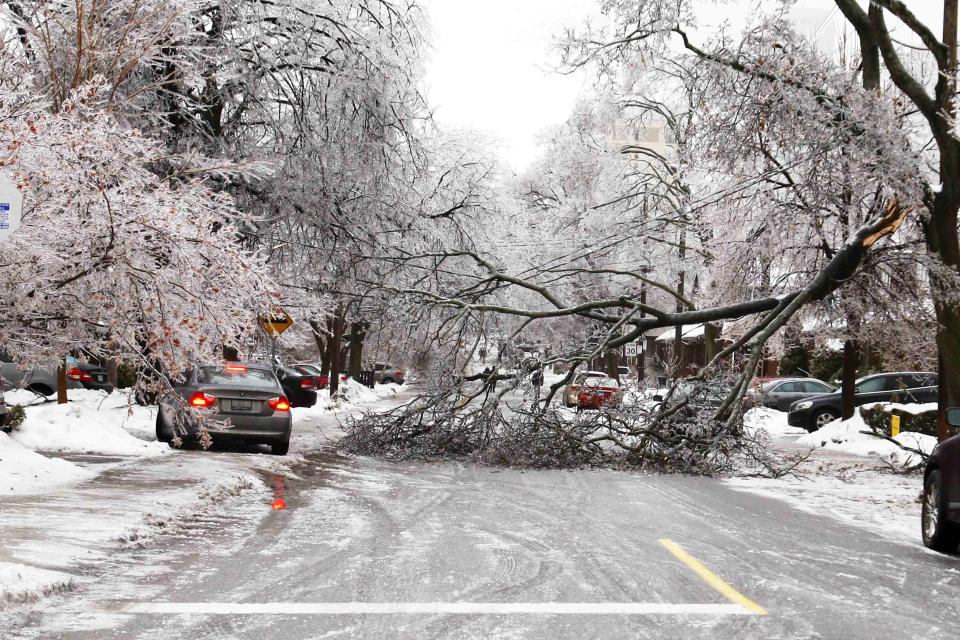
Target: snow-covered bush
{"points": [[15, 417]]}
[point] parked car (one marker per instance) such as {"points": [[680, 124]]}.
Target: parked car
{"points": [[903, 386], [596, 393], [780, 393], [249, 396], [43, 380], [300, 388], [572, 390], [320, 379], [940, 510], [385, 373]]}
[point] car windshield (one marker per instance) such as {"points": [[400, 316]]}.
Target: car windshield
{"points": [[236, 375]]}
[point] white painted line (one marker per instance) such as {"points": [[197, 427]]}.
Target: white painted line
{"points": [[455, 608]]}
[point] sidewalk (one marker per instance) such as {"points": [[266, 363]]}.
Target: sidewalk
{"points": [[852, 483]]}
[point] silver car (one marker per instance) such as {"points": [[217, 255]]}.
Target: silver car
{"points": [[242, 401], [386, 373]]}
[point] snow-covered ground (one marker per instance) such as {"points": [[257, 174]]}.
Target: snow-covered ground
{"points": [[58, 515], [848, 476]]}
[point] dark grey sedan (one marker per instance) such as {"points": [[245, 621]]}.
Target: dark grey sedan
{"points": [[242, 401], [780, 393]]}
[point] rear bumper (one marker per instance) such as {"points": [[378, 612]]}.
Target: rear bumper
{"points": [[98, 386], [251, 428]]}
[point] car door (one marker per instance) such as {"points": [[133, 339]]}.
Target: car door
{"points": [[784, 394]]}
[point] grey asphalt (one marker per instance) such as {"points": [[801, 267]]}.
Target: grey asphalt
{"points": [[359, 530]]}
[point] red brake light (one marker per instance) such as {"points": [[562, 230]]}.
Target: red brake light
{"points": [[77, 375], [279, 404], [306, 383], [201, 399], [235, 368]]}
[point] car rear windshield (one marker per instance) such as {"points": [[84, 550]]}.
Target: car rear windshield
{"points": [[236, 375]]}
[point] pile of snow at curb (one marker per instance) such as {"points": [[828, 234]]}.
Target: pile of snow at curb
{"points": [[355, 396], [91, 422], [23, 583], [24, 471], [770, 420], [847, 436]]}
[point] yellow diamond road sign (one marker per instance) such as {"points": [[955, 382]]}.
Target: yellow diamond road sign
{"points": [[276, 322]]}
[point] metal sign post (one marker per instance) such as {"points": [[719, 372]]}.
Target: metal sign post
{"points": [[11, 207]]}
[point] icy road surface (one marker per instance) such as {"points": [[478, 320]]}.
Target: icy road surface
{"points": [[371, 549]]}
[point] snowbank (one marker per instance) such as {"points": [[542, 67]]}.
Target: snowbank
{"points": [[23, 583], [848, 436], [355, 397], [25, 471], [770, 420], [91, 422]]}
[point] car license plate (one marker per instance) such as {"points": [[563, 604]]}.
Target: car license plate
{"points": [[241, 405]]}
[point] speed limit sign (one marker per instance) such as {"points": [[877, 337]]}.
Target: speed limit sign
{"points": [[630, 350]]}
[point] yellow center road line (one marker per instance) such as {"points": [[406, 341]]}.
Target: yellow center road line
{"points": [[711, 578]]}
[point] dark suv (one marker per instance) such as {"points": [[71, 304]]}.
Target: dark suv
{"points": [[905, 386], [940, 514]]}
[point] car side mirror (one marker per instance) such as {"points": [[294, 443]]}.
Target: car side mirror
{"points": [[953, 416]]}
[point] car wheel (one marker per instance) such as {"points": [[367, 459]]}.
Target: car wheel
{"points": [[822, 418], [40, 389], [162, 429], [939, 533], [280, 448]]}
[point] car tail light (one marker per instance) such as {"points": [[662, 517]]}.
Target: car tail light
{"points": [[306, 383], [77, 375], [202, 400], [279, 404], [235, 368]]}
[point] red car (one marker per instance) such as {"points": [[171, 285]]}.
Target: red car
{"points": [[595, 393], [320, 380]]}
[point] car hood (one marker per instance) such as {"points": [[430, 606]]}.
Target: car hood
{"points": [[814, 396]]}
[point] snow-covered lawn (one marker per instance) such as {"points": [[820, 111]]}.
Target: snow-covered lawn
{"points": [[849, 475], [91, 422]]}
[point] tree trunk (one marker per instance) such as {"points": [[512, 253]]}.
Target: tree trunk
{"points": [[62, 383], [358, 334], [113, 372], [851, 363], [321, 344], [336, 362], [711, 334], [941, 232]]}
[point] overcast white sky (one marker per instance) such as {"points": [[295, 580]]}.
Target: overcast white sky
{"points": [[491, 67]]}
